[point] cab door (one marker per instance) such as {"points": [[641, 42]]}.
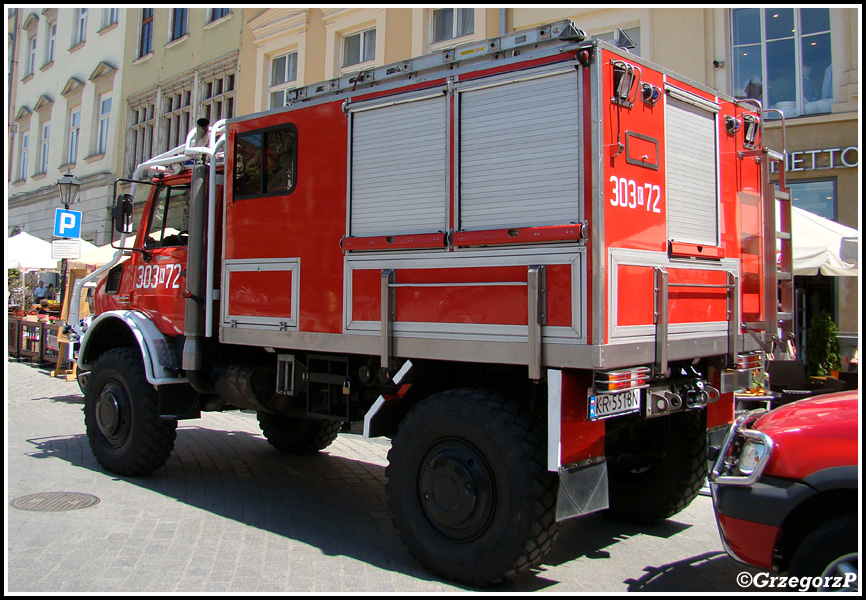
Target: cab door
{"points": [[159, 267]]}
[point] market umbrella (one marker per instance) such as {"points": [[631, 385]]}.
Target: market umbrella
{"points": [[98, 255], [29, 252], [823, 245]]}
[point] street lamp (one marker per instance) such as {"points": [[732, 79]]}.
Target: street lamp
{"points": [[68, 186]]}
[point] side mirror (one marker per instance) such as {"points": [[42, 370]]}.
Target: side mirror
{"points": [[121, 214]]}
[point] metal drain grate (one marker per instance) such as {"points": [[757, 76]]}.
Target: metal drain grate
{"points": [[54, 501]]}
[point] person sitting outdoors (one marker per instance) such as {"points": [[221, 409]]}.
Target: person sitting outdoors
{"points": [[42, 311]]}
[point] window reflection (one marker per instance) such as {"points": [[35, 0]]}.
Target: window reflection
{"points": [[782, 57]]}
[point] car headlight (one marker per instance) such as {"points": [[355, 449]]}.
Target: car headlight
{"points": [[753, 452]]}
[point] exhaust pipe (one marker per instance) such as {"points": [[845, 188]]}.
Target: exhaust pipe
{"points": [[193, 360]]}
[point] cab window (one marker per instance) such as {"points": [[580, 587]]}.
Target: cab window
{"points": [[169, 221]]}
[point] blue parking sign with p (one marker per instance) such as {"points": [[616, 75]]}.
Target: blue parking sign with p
{"points": [[67, 223]]}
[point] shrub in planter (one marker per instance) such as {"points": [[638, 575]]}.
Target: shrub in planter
{"points": [[822, 350]]}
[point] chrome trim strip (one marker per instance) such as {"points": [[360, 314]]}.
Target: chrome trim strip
{"points": [[554, 419]]}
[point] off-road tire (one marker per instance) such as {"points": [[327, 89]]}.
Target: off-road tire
{"points": [[121, 415], [647, 490], [469, 489], [298, 436], [829, 544]]}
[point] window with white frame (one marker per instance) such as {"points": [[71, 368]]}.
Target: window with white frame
{"points": [[24, 155], [218, 96], [782, 57], [80, 33], [145, 41], [176, 116], [50, 42], [179, 22], [104, 121], [30, 65], [44, 140], [284, 74], [359, 47], [110, 16], [74, 133], [450, 23], [141, 133]]}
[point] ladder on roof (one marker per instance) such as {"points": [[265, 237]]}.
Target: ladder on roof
{"points": [[559, 33]]}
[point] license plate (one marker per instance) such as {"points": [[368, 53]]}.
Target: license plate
{"points": [[603, 406]]}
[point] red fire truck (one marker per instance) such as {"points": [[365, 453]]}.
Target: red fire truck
{"points": [[539, 264]]}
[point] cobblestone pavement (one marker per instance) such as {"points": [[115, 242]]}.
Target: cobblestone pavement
{"points": [[230, 514]]}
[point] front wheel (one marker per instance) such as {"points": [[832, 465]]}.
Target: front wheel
{"points": [[121, 416], [468, 487], [828, 557]]}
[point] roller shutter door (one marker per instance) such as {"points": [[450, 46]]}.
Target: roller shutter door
{"points": [[399, 170], [692, 181], [519, 154]]}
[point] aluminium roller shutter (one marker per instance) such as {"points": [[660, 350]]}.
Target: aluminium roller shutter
{"points": [[692, 180], [520, 153], [399, 170]]}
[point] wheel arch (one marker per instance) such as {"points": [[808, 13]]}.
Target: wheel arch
{"points": [[128, 328], [418, 380], [809, 514]]}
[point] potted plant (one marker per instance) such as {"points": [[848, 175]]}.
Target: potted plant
{"points": [[822, 350]]}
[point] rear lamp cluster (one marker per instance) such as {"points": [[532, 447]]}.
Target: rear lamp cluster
{"points": [[622, 379]]}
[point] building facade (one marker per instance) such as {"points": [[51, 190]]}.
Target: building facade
{"points": [[67, 90], [180, 65]]}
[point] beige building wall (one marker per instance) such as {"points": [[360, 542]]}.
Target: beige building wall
{"points": [[316, 35], [47, 89], [179, 80]]}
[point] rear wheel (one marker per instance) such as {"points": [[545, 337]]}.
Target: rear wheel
{"points": [[121, 416], [648, 488], [468, 487], [298, 436]]}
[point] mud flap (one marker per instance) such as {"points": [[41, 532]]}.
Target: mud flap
{"points": [[178, 401], [582, 490]]}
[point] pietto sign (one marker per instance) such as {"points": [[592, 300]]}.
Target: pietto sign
{"points": [[820, 160]]}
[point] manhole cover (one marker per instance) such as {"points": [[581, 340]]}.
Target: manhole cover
{"points": [[54, 501]]}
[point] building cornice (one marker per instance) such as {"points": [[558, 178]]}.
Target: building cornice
{"points": [[277, 21], [103, 69], [49, 192], [72, 86], [43, 103], [23, 113], [31, 21]]}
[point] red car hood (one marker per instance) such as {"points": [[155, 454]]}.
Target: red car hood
{"points": [[812, 434]]}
